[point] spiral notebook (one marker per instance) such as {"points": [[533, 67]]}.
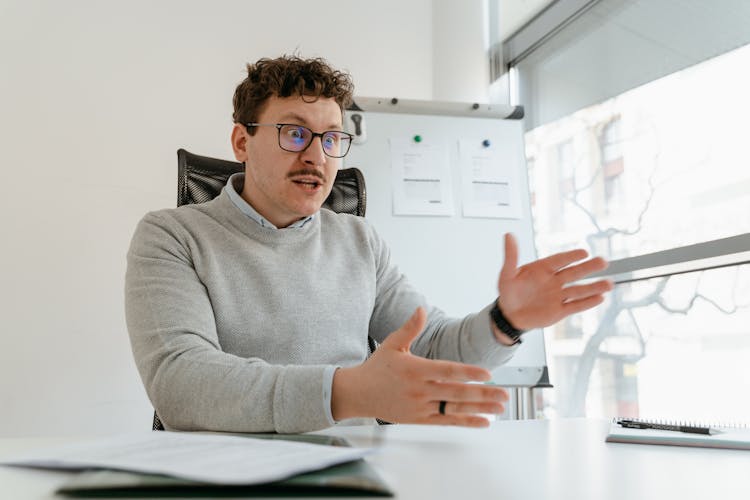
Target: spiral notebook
{"points": [[702, 435]]}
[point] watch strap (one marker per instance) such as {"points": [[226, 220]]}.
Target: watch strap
{"points": [[504, 325]]}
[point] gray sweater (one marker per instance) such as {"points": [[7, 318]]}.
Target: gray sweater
{"points": [[238, 327]]}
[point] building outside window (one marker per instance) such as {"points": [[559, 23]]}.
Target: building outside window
{"points": [[612, 163]]}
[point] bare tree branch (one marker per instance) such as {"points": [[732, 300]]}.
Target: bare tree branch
{"points": [[592, 351]]}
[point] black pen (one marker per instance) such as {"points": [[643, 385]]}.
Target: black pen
{"points": [[635, 424]]}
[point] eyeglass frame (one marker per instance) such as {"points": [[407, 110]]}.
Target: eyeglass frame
{"points": [[312, 138]]}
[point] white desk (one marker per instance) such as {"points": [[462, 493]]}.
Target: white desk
{"points": [[565, 459]]}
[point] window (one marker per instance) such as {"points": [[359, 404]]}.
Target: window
{"points": [[612, 162], [532, 181], [636, 112], [565, 175]]}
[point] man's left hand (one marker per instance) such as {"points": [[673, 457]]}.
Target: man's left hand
{"points": [[538, 294]]}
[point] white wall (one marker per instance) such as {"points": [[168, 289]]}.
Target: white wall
{"points": [[95, 98], [460, 42]]}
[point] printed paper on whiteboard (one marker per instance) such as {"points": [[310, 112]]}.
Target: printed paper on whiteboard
{"points": [[421, 178], [489, 181]]}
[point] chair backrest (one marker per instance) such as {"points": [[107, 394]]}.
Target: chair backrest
{"points": [[201, 179]]}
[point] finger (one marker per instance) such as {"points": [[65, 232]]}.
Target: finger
{"points": [[577, 292], [463, 420], [564, 259], [402, 338], [456, 392], [453, 408], [574, 273], [510, 262], [577, 306], [450, 371]]}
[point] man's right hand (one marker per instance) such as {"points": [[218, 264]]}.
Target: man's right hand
{"points": [[396, 386]]}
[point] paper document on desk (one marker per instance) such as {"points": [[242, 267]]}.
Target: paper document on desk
{"points": [[210, 458]]}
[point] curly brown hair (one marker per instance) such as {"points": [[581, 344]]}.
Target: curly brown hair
{"points": [[288, 76]]}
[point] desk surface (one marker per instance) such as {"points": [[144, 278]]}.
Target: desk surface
{"points": [[558, 459]]}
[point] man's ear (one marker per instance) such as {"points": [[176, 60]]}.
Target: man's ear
{"points": [[239, 142]]}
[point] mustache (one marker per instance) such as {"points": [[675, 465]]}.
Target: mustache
{"points": [[307, 171]]}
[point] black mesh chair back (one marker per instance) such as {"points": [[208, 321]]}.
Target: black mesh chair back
{"points": [[201, 179]]}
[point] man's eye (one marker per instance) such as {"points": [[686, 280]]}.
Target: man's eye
{"points": [[295, 133]]}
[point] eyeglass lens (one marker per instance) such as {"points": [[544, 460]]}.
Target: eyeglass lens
{"points": [[296, 138]]}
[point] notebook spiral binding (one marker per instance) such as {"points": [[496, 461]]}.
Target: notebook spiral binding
{"points": [[687, 423]]}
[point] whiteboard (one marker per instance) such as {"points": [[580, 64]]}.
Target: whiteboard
{"points": [[453, 260]]}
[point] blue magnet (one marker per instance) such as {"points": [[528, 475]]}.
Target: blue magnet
{"points": [[486, 143]]}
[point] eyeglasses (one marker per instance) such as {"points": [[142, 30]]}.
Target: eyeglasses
{"points": [[296, 138]]}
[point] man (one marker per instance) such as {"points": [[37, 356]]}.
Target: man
{"points": [[251, 312]]}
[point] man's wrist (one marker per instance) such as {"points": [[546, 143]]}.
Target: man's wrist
{"points": [[500, 336], [344, 394], [503, 329]]}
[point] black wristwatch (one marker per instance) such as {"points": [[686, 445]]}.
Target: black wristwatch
{"points": [[504, 325]]}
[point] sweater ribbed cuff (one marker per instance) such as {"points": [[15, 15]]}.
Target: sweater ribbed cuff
{"points": [[299, 405]]}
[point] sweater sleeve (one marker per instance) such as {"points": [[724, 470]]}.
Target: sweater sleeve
{"points": [[191, 382], [468, 340]]}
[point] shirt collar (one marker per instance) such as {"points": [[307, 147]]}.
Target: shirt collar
{"points": [[235, 183]]}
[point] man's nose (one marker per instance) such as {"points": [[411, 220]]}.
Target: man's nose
{"points": [[314, 153]]}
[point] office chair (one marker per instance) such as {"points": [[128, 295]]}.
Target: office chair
{"points": [[201, 179]]}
